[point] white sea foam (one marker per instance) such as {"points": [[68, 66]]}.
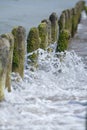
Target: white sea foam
{"points": [[53, 97]]}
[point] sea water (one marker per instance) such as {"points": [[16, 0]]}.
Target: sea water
{"points": [[53, 96], [29, 13]]}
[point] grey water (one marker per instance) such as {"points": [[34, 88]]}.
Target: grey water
{"points": [[53, 97], [29, 13]]}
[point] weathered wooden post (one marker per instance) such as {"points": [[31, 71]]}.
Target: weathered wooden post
{"points": [[33, 43], [54, 27], [68, 20], [68, 23], [48, 22], [4, 55], [76, 11], [74, 21], [10, 38], [63, 40], [43, 34], [19, 34], [61, 22]]}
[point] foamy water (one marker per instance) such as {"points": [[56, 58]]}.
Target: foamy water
{"points": [[53, 97]]}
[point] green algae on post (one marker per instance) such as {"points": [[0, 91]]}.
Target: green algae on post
{"points": [[43, 34], [33, 40], [63, 41], [48, 22], [19, 34], [33, 43]]}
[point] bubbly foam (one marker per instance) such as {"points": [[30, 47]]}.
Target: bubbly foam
{"points": [[51, 97]]}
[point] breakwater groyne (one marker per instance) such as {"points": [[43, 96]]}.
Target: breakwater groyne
{"points": [[49, 31]]}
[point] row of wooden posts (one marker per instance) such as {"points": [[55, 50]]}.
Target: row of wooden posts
{"points": [[13, 45]]}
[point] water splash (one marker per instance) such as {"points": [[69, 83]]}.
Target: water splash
{"points": [[51, 97]]}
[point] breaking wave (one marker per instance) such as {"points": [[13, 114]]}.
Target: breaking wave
{"points": [[51, 97]]}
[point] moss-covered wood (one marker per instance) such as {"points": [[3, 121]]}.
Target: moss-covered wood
{"points": [[43, 34], [61, 22], [76, 12], [19, 34], [68, 20], [54, 27], [75, 21], [33, 40], [33, 59], [63, 41], [33, 43], [48, 22], [68, 23]]}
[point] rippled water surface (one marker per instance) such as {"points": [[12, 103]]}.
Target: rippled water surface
{"points": [[54, 96]]}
